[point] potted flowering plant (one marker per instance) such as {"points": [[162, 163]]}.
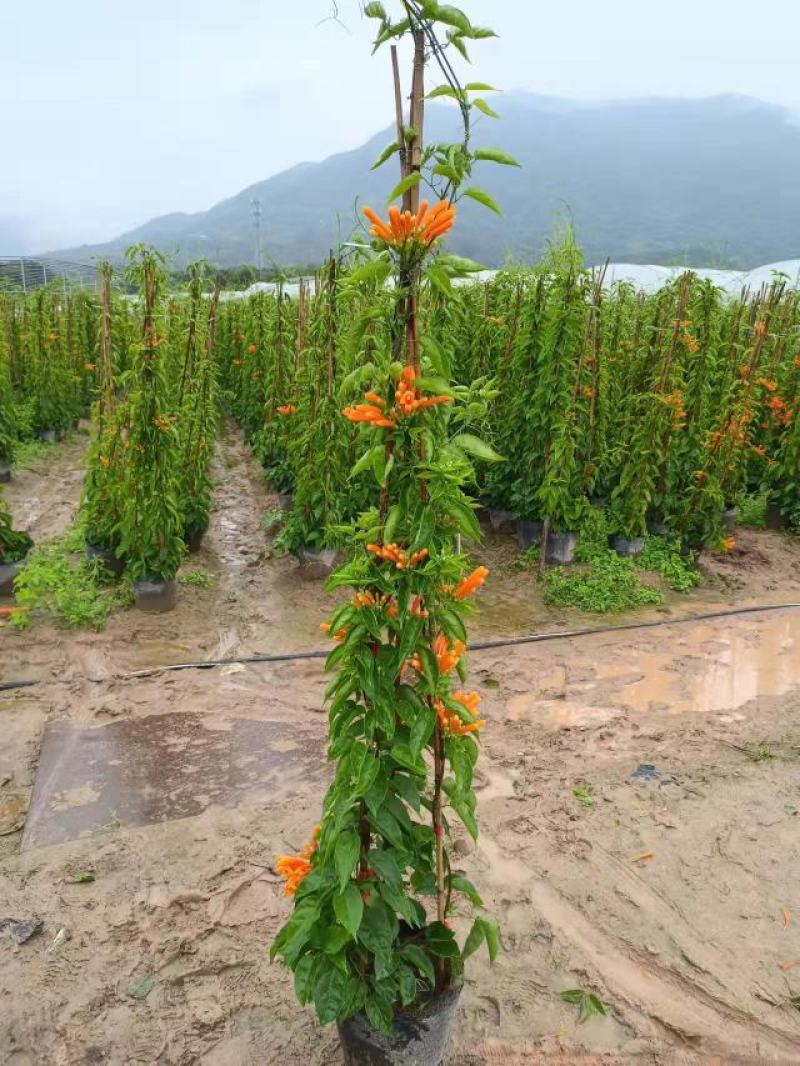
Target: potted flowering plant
{"points": [[151, 524], [370, 938]]}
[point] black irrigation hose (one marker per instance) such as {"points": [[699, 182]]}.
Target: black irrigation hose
{"points": [[478, 645]]}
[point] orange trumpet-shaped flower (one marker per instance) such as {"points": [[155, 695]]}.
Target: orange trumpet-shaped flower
{"points": [[447, 656], [450, 722], [89, 366], [471, 583], [252, 348], [297, 867], [393, 554], [367, 412], [408, 400], [287, 409], [424, 227]]}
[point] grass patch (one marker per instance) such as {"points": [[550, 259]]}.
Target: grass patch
{"points": [[603, 582], [753, 512], [58, 584], [199, 578], [29, 451]]}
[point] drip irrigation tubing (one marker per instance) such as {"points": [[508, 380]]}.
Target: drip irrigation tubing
{"points": [[478, 645]]}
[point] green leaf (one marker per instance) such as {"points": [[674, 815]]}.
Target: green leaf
{"points": [[439, 279], [375, 10], [444, 170], [366, 460], [441, 941], [373, 270], [462, 884], [370, 768], [387, 866], [408, 986], [328, 994], [348, 908], [492, 935], [495, 155], [453, 16], [474, 939], [443, 90], [304, 978], [473, 445], [417, 957], [482, 197], [380, 1015], [346, 854], [334, 939], [479, 86], [407, 183], [387, 153], [484, 107], [458, 265], [392, 518]]}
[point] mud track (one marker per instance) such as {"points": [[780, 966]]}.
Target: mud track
{"points": [[667, 886]]}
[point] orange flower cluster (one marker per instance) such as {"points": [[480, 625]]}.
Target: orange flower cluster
{"points": [[340, 634], [728, 544], [690, 343], [471, 584], [393, 554], [675, 401], [164, 422], [408, 400], [417, 607], [369, 412], [450, 721], [587, 391], [287, 409], [768, 384], [363, 599], [760, 328], [252, 348], [424, 227], [89, 366], [236, 362], [297, 867], [447, 656], [759, 449]]}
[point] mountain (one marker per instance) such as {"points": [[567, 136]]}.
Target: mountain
{"points": [[709, 182]]}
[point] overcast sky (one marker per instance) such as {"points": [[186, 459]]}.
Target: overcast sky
{"points": [[113, 111]]}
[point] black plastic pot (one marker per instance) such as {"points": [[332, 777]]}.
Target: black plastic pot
{"points": [[776, 519], [155, 597], [500, 521], [528, 533], [107, 557], [286, 501], [47, 436], [657, 528], [560, 549], [194, 541], [8, 571], [315, 565], [420, 1036], [5, 473], [626, 546], [598, 501], [729, 519]]}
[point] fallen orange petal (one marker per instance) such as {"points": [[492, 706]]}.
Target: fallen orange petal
{"points": [[642, 856]]}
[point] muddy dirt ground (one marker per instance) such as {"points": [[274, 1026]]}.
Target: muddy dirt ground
{"points": [[668, 886]]}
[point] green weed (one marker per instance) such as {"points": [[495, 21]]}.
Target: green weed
{"points": [[201, 579], [753, 512], [55, 584], [583, 794], [607, 585], [587, 1002], [662, 556]]}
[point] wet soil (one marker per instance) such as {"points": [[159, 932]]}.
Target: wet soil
{"points": [[666, 884]]}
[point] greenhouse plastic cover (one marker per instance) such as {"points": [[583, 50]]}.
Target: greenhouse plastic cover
{"points": [[647, 278]]}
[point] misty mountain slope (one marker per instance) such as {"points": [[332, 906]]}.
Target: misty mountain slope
{"points": [[705, 182]]}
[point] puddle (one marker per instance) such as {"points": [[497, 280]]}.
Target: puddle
{"points": [[145, 770], [702, 668], [720, 668]]}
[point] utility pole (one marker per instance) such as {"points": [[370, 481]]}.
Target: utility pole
{"points": [[257, 226]]}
